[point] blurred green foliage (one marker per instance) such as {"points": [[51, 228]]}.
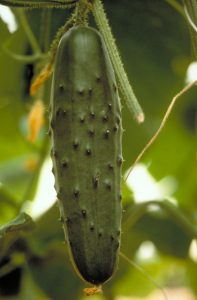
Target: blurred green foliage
{"points": [[154, 41]]}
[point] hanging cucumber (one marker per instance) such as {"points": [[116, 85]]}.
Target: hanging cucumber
{"points": [[86, 135]]}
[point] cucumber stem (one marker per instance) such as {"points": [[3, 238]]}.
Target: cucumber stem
{"points": [[81, 13]]}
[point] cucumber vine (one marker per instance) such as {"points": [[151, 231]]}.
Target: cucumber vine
{"points": [[80, 17]]}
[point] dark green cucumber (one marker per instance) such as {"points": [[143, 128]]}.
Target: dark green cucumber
{"points": [[86, 151]]}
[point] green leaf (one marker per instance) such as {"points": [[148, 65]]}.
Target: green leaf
{"points": [[192, 273], [9, 207], [29, 290], [11, 231], [54, 274], [22, 222], [48, 232]]}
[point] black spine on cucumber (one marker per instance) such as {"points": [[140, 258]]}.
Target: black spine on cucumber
{"points": [[86, 151]]}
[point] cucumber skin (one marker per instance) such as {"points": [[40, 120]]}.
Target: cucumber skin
{"points": [[86, 136]]}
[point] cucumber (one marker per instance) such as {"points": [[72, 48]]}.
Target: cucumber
{"points": [[86, 136]]}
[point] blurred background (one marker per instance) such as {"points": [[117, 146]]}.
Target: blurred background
{"points": [[158, 47]]}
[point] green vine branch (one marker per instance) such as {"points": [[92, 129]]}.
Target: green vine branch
{"points": [[173, 211], [25, 59], [43, 94], [39, 4], [146, 274], [21, 16], [125, 87], [189, 11], [37, 53], [177, 6], [190, 7]]}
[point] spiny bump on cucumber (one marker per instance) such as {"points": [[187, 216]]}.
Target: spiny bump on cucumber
{"points": [[119, 160], [61, 87], [105, 118], [76, 192], [110, 166], [100, 233], [80, 92], [96, 181], [91, 132], [82, 119], [115, 128], [84, 213], [88, 151], [65, 112], [90, 91], [92, 114], [76, 144], [106, 134], [64, 163]]}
